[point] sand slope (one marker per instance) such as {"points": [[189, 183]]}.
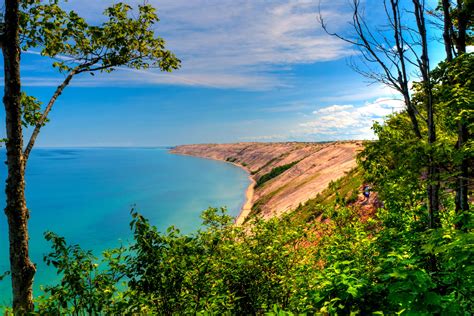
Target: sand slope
{"points": [[317, 165]]}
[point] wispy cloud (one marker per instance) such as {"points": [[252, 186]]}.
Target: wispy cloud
{"points": [[352, 95], [333, 109], [234, 43], [264, 138]]}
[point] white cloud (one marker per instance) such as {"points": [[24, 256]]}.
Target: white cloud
{"points": [[333, 109], [350, 122], [235, 43]]}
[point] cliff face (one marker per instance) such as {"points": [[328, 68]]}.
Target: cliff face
{"points": [[286, 174]]}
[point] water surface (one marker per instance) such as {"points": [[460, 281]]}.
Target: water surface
{"points": [[86, 196]]}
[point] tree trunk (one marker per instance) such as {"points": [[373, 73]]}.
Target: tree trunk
{"points": [[462, 202], [448, 25], [462, 27], [22, 269], [433, 170], [462, 188], [402, 76]]}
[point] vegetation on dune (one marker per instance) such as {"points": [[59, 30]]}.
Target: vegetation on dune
{"points": [[268, 163], [231, 159], [275, 172], [344, 190]]}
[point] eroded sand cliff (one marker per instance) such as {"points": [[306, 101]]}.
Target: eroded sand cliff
{"points": [[308, 169]]}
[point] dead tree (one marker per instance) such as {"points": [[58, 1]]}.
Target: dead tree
{"points": [[389, 54], [392, 54]]}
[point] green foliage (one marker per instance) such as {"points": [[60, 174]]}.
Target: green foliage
{"points": [[277, 267], [397, 163], [213, 270], [343, 191], [454, 90], [31, 110], [222, 269], [84, 287], [395, 174], [126, 38], [275, 172]]}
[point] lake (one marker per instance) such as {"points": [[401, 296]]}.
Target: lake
{"points": [[86, 194]]}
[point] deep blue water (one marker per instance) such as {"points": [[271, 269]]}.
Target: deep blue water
{"points": [[86, 196]]}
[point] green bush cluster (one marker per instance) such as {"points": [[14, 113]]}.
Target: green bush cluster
{"points": [[275, 172], [338, 266]]}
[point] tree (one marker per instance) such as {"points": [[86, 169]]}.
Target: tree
{"points": [[22, 269], [77, 47], [458, 30], [392, 49], [423, 63], [389, 54]]}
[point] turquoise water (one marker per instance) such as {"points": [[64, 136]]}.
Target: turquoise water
{"points": [[86, 196]]}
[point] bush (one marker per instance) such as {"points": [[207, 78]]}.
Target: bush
{"points": [[338, 266]]}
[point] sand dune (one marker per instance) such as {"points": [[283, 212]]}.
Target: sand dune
{"points": [[315, 165]]}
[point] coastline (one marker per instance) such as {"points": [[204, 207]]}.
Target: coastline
{"points": [[295, 172], [247, 206]]}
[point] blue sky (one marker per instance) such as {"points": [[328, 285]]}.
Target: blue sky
{"points": [[251, 71]]}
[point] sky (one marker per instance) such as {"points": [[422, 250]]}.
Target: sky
{"points": [[255, 70]]}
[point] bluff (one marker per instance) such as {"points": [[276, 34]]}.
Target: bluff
{"points": [[284, 175]]}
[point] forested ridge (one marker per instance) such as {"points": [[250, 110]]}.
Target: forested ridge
{"points": [[405, 249]]}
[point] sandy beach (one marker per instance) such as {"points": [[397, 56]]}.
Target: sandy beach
{"points": [[247, 207]]}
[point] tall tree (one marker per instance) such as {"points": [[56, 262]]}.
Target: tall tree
{"points": [[394, 48], [123, 40], [423, 63], [457, 33], [22, 269], [388, 53]]}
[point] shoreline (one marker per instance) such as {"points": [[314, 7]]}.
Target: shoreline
{"points": [[247, 205]]}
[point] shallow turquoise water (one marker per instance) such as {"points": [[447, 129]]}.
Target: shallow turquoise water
{"points": [[86, 196]]}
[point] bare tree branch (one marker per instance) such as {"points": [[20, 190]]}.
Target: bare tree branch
{"points": [[377, 48]]}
